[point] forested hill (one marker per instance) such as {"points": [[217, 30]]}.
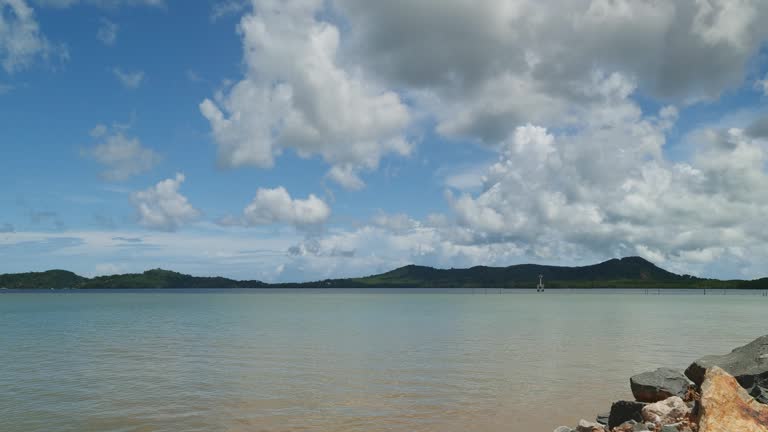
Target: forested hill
{"points": [[624, 272], [616, 273]]}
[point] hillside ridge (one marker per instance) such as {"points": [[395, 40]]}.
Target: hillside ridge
{"points": [[635, 272]]}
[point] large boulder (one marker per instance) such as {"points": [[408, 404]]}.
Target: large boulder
{"points": [[726, 407], [748, 364], [668, 411], [659, 385], [623, 411]]}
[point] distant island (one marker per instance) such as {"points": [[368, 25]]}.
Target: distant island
{"points": [[630, 272]]}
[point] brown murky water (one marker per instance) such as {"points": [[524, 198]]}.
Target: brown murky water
{"points": [[344, 361]]}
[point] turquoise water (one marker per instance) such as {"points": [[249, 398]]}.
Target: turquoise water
{"points": [[384, 360]]}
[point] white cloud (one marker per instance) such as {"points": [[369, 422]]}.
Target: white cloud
{"points": [[162, 207], [129, 80], [762, 85], [107, 32], [122, 156], [539, 58], [276, 206], [224, 8], [605, 189], [346, 176], [21, 41], [297, 94]]}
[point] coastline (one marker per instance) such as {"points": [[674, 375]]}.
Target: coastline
{"points": [[716, 393]]}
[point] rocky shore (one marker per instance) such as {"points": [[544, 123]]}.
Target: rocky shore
{"points": [[719, 393]]}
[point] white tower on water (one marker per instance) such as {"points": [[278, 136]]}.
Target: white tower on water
{"points": [[540, 286]]}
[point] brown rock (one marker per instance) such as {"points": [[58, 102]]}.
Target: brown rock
{"points": [[585, 426], [727, 407], [668, 411]]}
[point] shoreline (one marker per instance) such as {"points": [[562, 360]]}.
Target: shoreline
{"points": [[716, 393]]}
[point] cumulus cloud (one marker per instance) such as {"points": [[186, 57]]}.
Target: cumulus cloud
{"points": [[298, 94], [129, 80], [21, 41], [276, 206], [162, 207], [107, 32], [122, 156], [606, 189], [538, 59]]}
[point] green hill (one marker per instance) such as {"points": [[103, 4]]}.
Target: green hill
{"points": [[631, 272], [46, 279], [624, 272]]}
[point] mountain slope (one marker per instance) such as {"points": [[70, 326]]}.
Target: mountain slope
{"points": [[631, 271], [46, 279], [616, 273]]}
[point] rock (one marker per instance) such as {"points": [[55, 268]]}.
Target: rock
{"points": [[623, 411], [632, 426], [659, 385], [670, 428], [725, 406], [563, 429], [585, 426], [670, 410], [603, 419], [748, 364]]}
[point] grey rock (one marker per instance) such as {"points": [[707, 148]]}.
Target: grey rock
{"points": [[603, 418], [563, 429], [640, 427], [623, 411], [671, 428], [748, 364], [658, 385]]}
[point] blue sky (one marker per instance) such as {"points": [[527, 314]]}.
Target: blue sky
{"points": [[304, 139]]}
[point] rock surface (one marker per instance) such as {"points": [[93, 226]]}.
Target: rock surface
{"points": [[748, 364], [585, 426], [726, 407], [668, 411], [603, 418], [659, 385], [623, 411]]}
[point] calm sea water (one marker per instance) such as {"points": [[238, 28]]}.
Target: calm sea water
{"points": [[344, 360]]}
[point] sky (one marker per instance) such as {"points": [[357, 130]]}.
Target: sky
{"points": [[294, 140]]}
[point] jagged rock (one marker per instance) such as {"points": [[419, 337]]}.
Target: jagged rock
{"points": [[659, 385], [726, 407], [748, 364], [603, 419], [563, 429], [677, 427], [631, 426], [623, 411], [586, 426], [670, 410]]}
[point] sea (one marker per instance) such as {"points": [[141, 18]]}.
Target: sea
{"points": [[395, 360]]}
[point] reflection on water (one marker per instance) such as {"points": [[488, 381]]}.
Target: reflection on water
{"points": [[344, 360]]}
